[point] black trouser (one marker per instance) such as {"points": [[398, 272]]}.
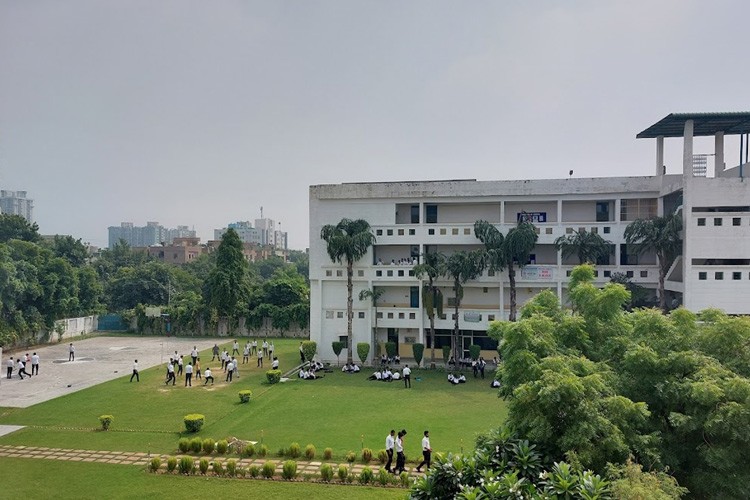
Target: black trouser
{"points": [[179, 369], [245, 358], [170, 376], [22, 372], [407, 380], [302, 356], [229, 376], [35, 369], [400, 462], [390, 459], [197, 374], [207, 379], [216, 355], [195, 359], [260, 361], [72, 356], [189, 379], [10, 372], [135, 374], [426, 459]]}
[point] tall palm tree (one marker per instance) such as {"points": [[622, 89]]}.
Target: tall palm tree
{"points": [[348, 241], [660, 235], [509, 251], [588, 247], [462, 267], [431, 268], [374, 295]]}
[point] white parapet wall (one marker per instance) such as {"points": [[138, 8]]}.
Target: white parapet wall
{"points": [[75, 327]]}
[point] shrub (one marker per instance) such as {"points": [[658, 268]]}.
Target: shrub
{"points": [[403, 478], [262, 450], [289, 470], [241, 471], [218, 468], [171, 464], [281, 452], [363, 349], [186, 465], [294, 450], [183, 445], [268, 470], [366, 455], [155, 464], [194, 422], [249, 450], [222, 446], [196, 445], [351, 457], [245, 395], [366, 476], [382, 456], [309, 452], [384, 477], [254, 471], [231, 467], [337, 347], [418, 350], [106, 421], [208, 446], [446, 353], [328, 453], [203, 465], [326, 472], [309, 348], [474, 351], [391, 348], [273, 376], [343, 472]]}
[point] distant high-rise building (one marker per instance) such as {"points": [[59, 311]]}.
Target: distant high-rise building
{"points": [[15, 202], [263, 233], [149, 235]]}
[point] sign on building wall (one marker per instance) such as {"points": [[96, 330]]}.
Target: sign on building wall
{"points": [[533, 217], [472, 317], [537, 273]]}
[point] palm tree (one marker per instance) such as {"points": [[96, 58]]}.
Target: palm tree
{"points": [[509, 251], [348, 241], [462, 267], [662, 236], [373, 295], [588, 247], [432, 267]]}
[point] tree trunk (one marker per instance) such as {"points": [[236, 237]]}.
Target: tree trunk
{"points": [[349, 309], [454, 339], [512, 280], [432, 339], [662, 276]]}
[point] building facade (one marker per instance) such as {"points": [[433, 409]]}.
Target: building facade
{"points": [[16, 202], [263, 233], [151, 234], [410, 219]]}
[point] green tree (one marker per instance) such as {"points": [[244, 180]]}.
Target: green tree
{"points": [[431, 268], [347, 242], [229, 285], [587, 246], [70, 249], [461, 267], [15, 227], [374, 295], [660, 235]]}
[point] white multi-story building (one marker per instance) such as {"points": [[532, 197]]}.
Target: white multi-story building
{"points": [[264, 233], [16, 202], [410, 219]]}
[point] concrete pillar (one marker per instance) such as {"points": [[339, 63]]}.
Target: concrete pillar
{"points": [[618, 207], [502, 212], [660, 168], [718, 153], [559, 211], [687, 150]]}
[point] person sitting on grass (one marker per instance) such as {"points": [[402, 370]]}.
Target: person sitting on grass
{"points": [[452, 379], [388, 375], [275, 364], [346, 368], [396, 376], [462, 379], [375, 376], [355, 368], [495, 384]]}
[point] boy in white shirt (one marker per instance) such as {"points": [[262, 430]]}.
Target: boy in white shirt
{"points": [[426, 451]]}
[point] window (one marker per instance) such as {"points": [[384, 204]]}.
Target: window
{"points": [[718, 221], [490, 317], [329, 273], [378, 232], [401, 316], [629, 274], [547, 230], [485, 289], [490, 273], [412, 316], [736, 221], [400, 232], [443, 231], [415, 214], [606, 229], [644, 274], [401, 272], [467, 231], [736, 275], [412, 232], [361, 315], [602, 211], [431, 214], [339, 273], [703, 275], [718, 275], [340, 314], [631, 210], [431, 232], [378, 273], [344, 340], [390, 315], [390, 273], [389, 232], [607, 274], [454, 231], [701, 221], [329, 314], [360, 273]]}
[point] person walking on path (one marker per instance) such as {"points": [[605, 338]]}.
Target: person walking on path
{"points": [[426, 451], [194, 355], [390, 442], [22, 369], [170, 374], [215, 351], [400, 457], [235, 348], [260, 358], [35, 364], [135, 372], [407, 377], [10, 364], [189, 375], [207, 376], [71, 352]]}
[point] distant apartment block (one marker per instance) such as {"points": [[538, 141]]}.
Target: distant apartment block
{"points": [[263, 233], [151, 234], [16, 202]]}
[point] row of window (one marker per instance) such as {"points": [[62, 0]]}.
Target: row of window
{"points": [[467, 231], [719, 275], [409, 272], [399, 315], [608, 274], [719, 221]]}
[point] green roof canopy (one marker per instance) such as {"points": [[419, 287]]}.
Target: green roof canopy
{"points": [[673, 125]]}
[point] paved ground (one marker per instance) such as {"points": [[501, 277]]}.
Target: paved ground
{"points": [[98, 360]]}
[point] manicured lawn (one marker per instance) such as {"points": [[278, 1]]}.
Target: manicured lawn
{"points": [[25, 478], [338, 411]]}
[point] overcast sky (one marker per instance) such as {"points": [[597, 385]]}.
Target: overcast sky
{"points": [[199, 113]]}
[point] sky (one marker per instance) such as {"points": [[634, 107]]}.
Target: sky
{"points": [[198, 113]]}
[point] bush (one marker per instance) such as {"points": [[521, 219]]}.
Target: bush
{"points": [[208, 446], [446, 353], [222, 446], [106, 421], [186, 465], [249, 450], [281, 452], [363, 349], [384, 477], [475, 351], [391, 348], [262, 450], [366, 455], [309, 348], [403, 478], [294, 450], [231, 467], [289, 470], [245, 395], [337, 347], [171, 464], [418, 350], [273, 376], [351, 457], [155, 464], [254, 471], [218, 468], [328, 453], [309, 452], [203, 465], [194, 422], [366, 476], [326, 472], [382, 456], [268, 470], [196, 445], [183, 445], [343, 472]]}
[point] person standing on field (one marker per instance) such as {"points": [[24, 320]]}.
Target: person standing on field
{"points": [[426, 451], [215, 351], [10, 364], [35, 364], [135, 372], [71, 352], [260, 358], [194, 354], [407, 377], [189, 375]]}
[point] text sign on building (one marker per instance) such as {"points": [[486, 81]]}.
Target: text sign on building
{"points": [[533, 217], [537, 273], [472, 317]]}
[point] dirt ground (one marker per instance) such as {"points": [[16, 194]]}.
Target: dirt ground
{"points": [[98, 360]]}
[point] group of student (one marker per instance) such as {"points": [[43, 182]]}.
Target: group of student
{"points": [[266, 350], [388, 360], [395, 442], [400, 262], [351, 368], [20, 365], [455, 380]]}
